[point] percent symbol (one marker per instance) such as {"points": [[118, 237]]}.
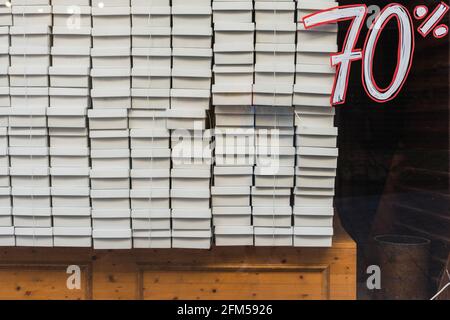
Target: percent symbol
{"points": [[432, 21]]}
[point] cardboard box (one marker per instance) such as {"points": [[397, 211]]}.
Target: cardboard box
{"points": [[230, 196], [73, 157], [151, 219], [151, 78], [144, 119], [67, 118], [29, 157], [31, 198], [237, 11], [232, 216], [111, 37], [110, 199], [313, 237], [114, 158], [72, 237], [279, 177], [191, 239], [108, 119], [32, 217], [150, 198], [28, 117], [192, 58], [314, 117], [149, 58], [29, 14], [239, 156], [274, 11], [27, 137], [186, 119], [316, 137], [33, 98], [30, 177], [150, 178], [70, 176], [150, 158], [267, 32], [193, 198], [271, 197], [28, 76], [112, 239], [277, 76], [234, 54], [71, 217], [152, 239], [109, 139], [267, 94], [150, 99], [234, 116], [150, 138], [142, 16], [234, 235], [315, 178], [226, 74], [117, 98], [231, 139], [190, 100], [233, 177], [34, 237], [191, 158], [273, 157], [308, 157], [189, 140], [107, 219], [69, 97], [191, 16], [110, 178], [313, 216], [67, 36], [196, 79], [273, 237], [313, 197], [70, 197], [191, 37], [268, 137], [108, 58], [232, 94], [7, 238], [103, 78], [272, 216], [191, 219], [72, 15], [69, 77], [108, 16], [190, 178], [69, 57], [274, 117], [29, 56], [275, 54], [61, 137], [232, 32], [151, 37]]}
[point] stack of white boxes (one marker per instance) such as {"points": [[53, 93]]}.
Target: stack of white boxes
{"points": [[234, 33], [187, 119], [67, 123], [108, 124], [272, 96], [28, 134], [150, 138], [315, 131], [6, 222]]}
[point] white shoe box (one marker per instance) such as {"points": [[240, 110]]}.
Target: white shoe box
{"points": [[108, 119], [30, 56], [111, 37], [114, 158], [150, 178], [4, 72], [196, 79], [6, 217], [28, 117], [156, 99], [275, 54], [72, 15], [72, 157], [232, 32], [149, 58], [314, 117], [69, 98], [110, 199], [34, 237], [190, 178], [271, 216], [112, 239], [70, 197], [191, 37], [109, 139], [274, 11], [4, 177], [241, 156], [33, 98], [150, 158], [232, 74], [230, 139], [191, 239], [274, 117], [271, 197], [110, 3], [233, 176], [188, 140], [5, 197], [4, 116], [267, 94], [144, 119], [30, 198], [268, 137], [313, 237], [234, 116], [313, 216], [277, 76], [61, 137], [316, 78], [110, 178], [308, 157], [234, 54], [30, 177], [155, 16], [151, 78], [28, 157], [5, 100], [153, 3], [32, 217], [112, 218], [7, 238], [196, 3], [190, 100], [67, 36], [149, 138], [230, 196], [69, 118], [4, 160], [193, 198], [111, 58], [316, 137], [191, 158], [151, 37], [267, 32], [315, 54], [273, 157], [151, 219], [307, 7], [116, 78], [69, 77], [191, 16], [152, 239], [232, 94], [116, 98], [150, 198], [313, 197], [32, 15], [26, 137], [325, 36], [70, 176], [5, 16], [186, 119], [107, 16], [236, 11], [191, 219], [234, 235], [192, 58], [70, 57], [28, 76], [315, 178], [71, 217], [273, 237], [232, 216], [277, 177], [72, 237]]}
